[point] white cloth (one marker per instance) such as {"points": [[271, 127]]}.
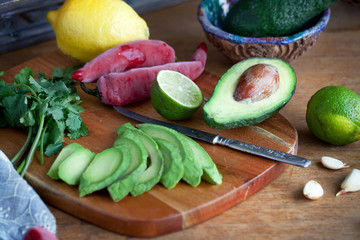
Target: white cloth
{"points": [[20, 206]]}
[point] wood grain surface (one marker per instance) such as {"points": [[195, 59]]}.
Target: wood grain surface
{"points": [[158, 211], [279, 210]]}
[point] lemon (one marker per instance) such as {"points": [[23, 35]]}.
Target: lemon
{"points": [[333, 115], [175, 96], [86, 28]]}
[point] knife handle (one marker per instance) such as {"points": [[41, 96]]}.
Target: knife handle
{"points": [[263, 152]]}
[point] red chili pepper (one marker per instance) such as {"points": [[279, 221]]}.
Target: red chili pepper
{"points": [[39, 233], [135, 85], [134, 54]]}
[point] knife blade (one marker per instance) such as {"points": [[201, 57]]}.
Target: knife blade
{"points": [[217, 139]]}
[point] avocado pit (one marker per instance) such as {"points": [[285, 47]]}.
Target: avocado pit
{"points": [[256, 83]]}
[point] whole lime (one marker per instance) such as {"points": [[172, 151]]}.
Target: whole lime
{"points": [[175, 96], [333, 115]]}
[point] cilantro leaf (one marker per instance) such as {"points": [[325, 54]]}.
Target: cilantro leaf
{"points": [[23, 76], [53, 148], [56, 113], [17, 108], [81, 132], [73, 121]]}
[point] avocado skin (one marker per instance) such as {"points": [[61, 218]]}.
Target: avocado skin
{"points": [[272, 18], [245, 119], [211, 122]]}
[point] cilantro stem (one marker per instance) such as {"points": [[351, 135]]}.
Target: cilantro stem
{"points": [[23, 148], [30, 156], [20, 167], [42, 143], [28, 88]]}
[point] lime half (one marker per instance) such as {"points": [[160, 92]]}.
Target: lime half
{"points": [[175, 96]]}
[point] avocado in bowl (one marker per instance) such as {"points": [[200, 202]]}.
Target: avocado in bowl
{"points": [[237, 47]]}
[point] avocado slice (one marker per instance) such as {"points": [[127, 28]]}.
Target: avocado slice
{"points": [[211, 173], [71, 169], [223, 111], [155, 165], [64, 153], [272, 18], [106, 167], [192, 168], [139, 155], [173, 165]]}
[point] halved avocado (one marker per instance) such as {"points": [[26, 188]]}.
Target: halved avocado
{"points": [[222, 111]]}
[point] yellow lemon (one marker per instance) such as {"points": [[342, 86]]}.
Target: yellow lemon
{"points": [[86, 28]]}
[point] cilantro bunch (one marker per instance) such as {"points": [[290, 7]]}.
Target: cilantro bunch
{"points": [[46, 108]]}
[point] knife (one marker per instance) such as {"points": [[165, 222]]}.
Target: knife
{"points": [[217, 139]]}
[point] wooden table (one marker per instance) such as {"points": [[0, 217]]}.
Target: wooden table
{"points": [[279, 211]]}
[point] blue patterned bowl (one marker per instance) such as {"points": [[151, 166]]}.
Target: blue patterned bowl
{"points": [[211, 14]]}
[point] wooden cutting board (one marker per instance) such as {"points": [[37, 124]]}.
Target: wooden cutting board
{"points": [[158, 211]]}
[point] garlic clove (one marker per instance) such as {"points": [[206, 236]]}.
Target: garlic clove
{"points": [[351, 182], [333, 163], [313, 190]]}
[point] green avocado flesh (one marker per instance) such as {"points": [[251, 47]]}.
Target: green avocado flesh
{"points": [[140, 158], [127, 182], [152, 174], [272, 18], [210, 172], [106, 167], [64, 153], [71, 169], [192, 168], [173, 165], [222, 111]]}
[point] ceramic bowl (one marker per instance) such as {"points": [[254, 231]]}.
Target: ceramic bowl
{"points": [[211, 14]]}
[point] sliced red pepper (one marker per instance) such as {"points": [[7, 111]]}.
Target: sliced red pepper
{"points": [[134, 54], [135, 85]]}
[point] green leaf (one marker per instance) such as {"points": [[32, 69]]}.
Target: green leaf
{"points": [[57, 73], [82, 132], [52, 149], [59, 89], [12, 113], [3, 121], [6, 89], [56, 113], [23, 76], [35, 85], [42, 108], [28, 119], [55, 132], [73, 121]]}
